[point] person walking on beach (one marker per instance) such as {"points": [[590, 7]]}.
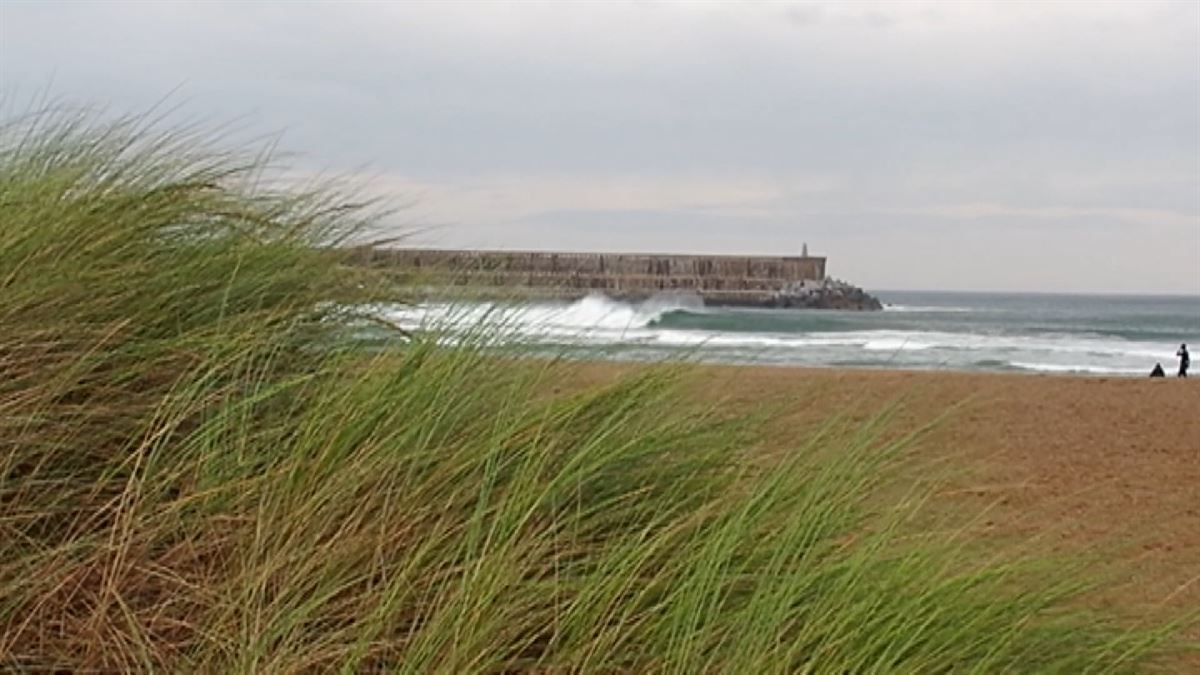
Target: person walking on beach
{"points": [[1184, 360]]}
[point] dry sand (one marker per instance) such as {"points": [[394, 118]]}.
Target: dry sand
{"points": [[1087, 465]]}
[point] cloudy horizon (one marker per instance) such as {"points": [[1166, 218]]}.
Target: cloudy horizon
{"points": [[1004, 146]]}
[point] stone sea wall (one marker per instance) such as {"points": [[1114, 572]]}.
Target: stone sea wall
{"points": [[728, 280]]}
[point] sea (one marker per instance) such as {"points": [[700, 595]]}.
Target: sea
{"points": [[1000, 332]]}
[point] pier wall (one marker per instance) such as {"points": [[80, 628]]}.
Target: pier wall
{"points": [[718, 279]]}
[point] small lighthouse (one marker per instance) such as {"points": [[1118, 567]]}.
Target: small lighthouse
{"points": [[804, 250]]}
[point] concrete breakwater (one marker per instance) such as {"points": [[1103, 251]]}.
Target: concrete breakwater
{"points": [[719, 280]]}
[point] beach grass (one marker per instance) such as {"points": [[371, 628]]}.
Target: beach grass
{"points": [[202, 471]]}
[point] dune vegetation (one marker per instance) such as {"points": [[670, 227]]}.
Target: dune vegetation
{"points": [[202, 471]]}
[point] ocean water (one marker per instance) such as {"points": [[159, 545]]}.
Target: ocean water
{"points": [[1081, 334]]}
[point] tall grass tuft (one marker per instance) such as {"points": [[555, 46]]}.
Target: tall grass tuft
{"points": [[199, 471]]}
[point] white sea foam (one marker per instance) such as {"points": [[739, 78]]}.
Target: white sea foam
{"points": [[930, 309], [1077, 368]]}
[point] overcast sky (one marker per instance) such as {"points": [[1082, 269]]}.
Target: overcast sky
{"points": [[920, 145]]}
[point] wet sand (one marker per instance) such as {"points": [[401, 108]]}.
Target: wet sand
{"points": [[1088, 466]]}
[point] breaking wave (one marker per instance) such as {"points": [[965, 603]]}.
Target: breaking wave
{"points": [[592, 317]]}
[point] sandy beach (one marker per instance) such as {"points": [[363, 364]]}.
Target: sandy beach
{"points": [[1089, 466]]}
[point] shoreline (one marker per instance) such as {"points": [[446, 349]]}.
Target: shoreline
{"points": [[1016, 372]]}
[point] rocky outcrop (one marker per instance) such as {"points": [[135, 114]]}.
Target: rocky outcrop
{"points": [[828, 293]]}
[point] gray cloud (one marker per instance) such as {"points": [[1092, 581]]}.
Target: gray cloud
{"points": [[926, 129]]}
